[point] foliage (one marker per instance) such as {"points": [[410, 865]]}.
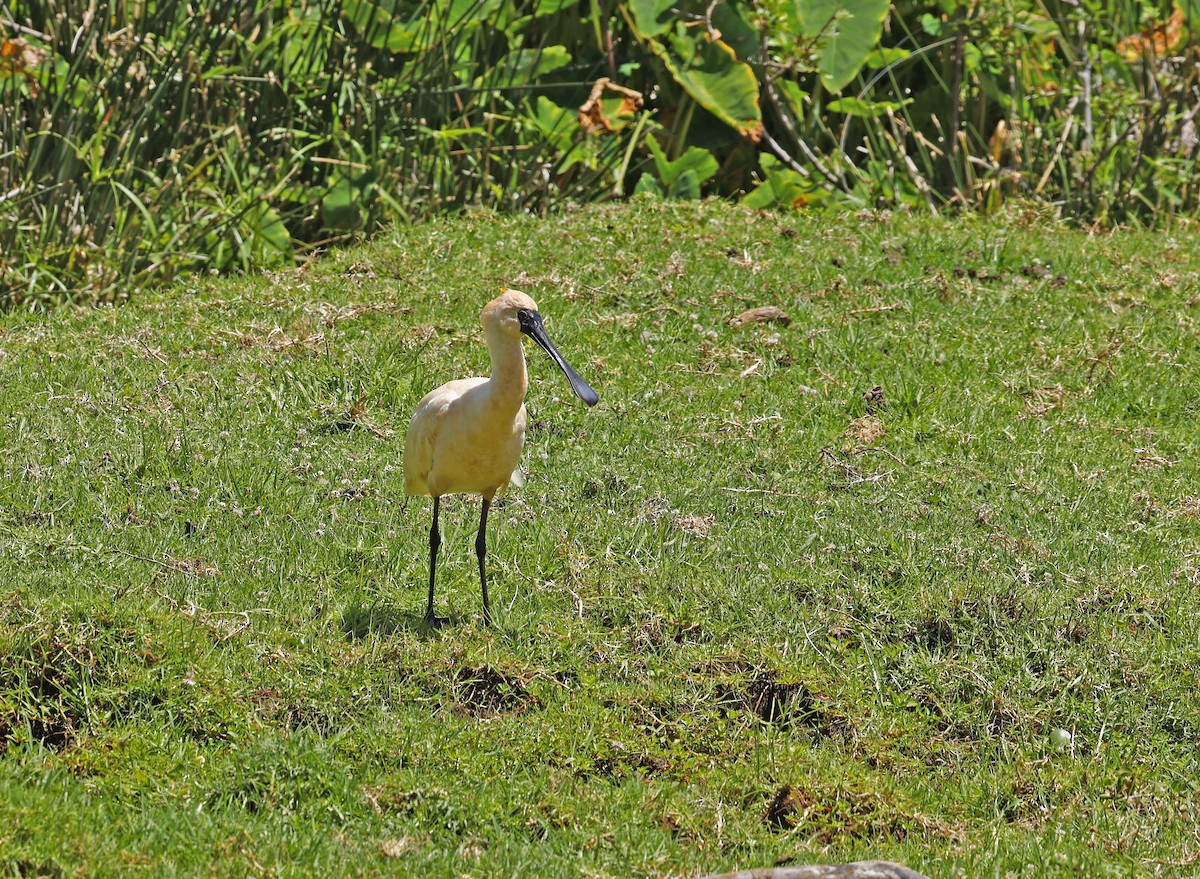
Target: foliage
{"points": [[139, 139], [914, 575]]}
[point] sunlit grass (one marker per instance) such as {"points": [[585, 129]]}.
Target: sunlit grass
{"points": [[749, 608]]}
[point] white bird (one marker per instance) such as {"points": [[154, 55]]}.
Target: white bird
{"points": [[466, 436]]}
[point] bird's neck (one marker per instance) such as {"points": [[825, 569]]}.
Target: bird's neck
{"points": [[509, 381]]}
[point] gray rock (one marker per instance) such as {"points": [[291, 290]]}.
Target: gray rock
{"points": [[857, 870]]}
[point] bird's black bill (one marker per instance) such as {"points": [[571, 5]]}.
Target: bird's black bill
{"points": [[531, 325]]}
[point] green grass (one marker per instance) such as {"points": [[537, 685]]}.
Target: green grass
{"points": [[745, 614]]}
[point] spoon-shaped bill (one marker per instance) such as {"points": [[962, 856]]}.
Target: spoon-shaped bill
{"points": [[531, 325]]}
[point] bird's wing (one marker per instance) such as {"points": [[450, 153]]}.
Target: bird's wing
{"points": [[421, 441]]}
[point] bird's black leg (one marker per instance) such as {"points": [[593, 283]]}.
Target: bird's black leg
{"points": [[480, 552], [435, 540]]}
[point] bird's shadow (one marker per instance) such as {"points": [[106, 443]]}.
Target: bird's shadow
{"points": [[361, 620]]}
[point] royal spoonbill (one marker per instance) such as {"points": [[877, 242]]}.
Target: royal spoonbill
{"points": [[466, 436]]}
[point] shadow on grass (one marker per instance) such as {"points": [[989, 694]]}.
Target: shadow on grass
{"points": [[360, 620]]}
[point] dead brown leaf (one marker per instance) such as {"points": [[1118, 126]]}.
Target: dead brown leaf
{"points": [[1188, 506], [1039, 401], [1157, 40], [759, 315], [1147, 461], [591, 112], [17, 56]]}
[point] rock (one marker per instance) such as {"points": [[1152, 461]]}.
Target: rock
{"points": [[857, 870]]}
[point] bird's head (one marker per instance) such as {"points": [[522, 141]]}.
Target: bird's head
{"points": [[515, 314], [510, 313]]}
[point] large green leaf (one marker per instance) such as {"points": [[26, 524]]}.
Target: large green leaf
{"points": [[710, 72], [550, 7], [849, 31], [380, 30], [863, 108], [341, 208], [524, 66], [560, 128], [695, 161], [651, 18], [738, 31], [782, 188]]}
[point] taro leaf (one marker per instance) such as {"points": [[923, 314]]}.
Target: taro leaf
{"points": [[685, 187], [619, 112], [711, 74], [340, 206], [383, 30], [738, 32], [561, 130], [558, 125], [380, 30], [549, 7], [783, 187], [849, 29], [886, 56], [266, 231], [453, 14], [697, 162], [931, 24], [648, 183], [526, 65], [795, 97], [533, 63], [651, 18]]}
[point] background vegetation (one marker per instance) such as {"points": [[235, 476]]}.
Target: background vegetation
{"points": [[909, 571], [139, 138]]}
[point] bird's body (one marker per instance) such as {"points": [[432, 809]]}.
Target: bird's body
{"points": [[463, 441], [466, 436]]}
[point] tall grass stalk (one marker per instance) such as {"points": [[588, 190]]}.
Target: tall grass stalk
{"points": [[140, 139]]}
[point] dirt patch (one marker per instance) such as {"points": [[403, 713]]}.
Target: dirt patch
{"points": [[839, 813], [483, 690], [741, 687], [866, 430], [620, 765], [44, 677]]}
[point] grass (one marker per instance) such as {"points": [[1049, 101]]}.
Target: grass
{"points": [[750, 610]]}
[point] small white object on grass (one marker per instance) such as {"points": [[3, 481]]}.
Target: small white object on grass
{"points": [[1060, 739]]}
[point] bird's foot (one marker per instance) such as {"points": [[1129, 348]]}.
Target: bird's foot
{"points": [[436, 622]]}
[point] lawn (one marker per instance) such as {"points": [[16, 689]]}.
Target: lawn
{"points": [[910, 575]]}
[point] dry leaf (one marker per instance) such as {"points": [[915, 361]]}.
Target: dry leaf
{"points": [[875, 399], [1156, 41], [591, 113], [17, 56], [695, 525], [762, 314]]}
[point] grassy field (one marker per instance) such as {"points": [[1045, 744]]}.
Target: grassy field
{"points": [[913, 576]]}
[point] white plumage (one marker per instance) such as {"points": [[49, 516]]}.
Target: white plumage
{"points": [[466, 436]]}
